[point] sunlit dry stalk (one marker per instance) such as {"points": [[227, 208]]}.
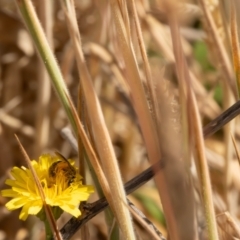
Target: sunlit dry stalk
{"points": [[236, 148], [203, 173], [44, 86], [194, 124], [134, 81], [91, 156], [233, 223], [228, 99], [84, 233], [144, 117], [151, 91], [94, 161], [82, 116], [103, 8], [222, 54], [122, 5], [181, 173], [47, 209], [175, 168], [235, 45], [97, 175], [223, 9], [228, 225], [101, 136]]}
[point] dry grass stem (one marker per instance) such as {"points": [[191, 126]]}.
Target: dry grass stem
{"points": [[144, 116], [226, 219], [93, 159], [235, 45], [48, 211], [193, 121], [221, 51], [101, 136], [236, 148], [150, 87]]}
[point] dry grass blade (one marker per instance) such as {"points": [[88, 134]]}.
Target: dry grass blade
{"points": [[142, 110], [48, 211], [81, 152], [93, 158], [134, 81], [185, 99], [102, 138], [124, 12], [151, 91], [148, 127], [235, 45], [222, 54], [203, 173], [195, 124], [225, 219], [236, 148]]}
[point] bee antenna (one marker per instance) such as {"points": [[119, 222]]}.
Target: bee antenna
{"points": [[60, 155]]}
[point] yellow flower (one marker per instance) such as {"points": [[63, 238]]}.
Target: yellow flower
{"points": [[61, 184]]}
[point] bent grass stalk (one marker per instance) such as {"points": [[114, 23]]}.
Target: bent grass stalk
{"points": [[45, 52], [195, 127], [101, 135], [50, 223], [47, 56]]}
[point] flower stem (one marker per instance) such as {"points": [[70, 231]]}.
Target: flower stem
{"points": [[48, 231]]}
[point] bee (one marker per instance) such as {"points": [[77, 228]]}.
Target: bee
{"points": [[62, 168]]}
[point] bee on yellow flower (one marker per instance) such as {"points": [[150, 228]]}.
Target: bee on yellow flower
{"points": [[61, 184], [62, 168]]}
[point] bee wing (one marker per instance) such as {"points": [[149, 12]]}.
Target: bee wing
{"points": [[58, 154]]}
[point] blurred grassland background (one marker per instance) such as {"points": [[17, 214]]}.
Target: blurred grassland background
{"points": [[30, 108]]}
